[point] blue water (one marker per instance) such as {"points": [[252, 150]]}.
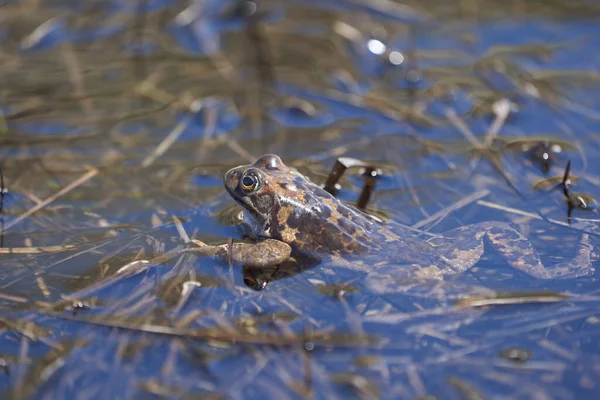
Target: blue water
{"points": [[362, 108]]}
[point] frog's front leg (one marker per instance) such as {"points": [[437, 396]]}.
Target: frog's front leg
{"points": [[263, 254], [462, 248]]}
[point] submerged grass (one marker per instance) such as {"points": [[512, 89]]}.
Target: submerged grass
{"points": [[116, 122]]}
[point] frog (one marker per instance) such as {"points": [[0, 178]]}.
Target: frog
{"points": [[281, 205]]}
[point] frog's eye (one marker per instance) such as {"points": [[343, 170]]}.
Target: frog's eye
{"points": [[249, 182]]}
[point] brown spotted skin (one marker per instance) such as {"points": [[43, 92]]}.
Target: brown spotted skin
{"points": [[287, 206], [282, 204]]}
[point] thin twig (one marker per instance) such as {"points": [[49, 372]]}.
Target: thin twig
{"points": [[169, 140], [441, 214], [519, 212], [81, 180], [462, 128]]}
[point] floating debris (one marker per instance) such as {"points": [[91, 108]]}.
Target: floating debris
{"points": [[337, 290], [516, 354]]}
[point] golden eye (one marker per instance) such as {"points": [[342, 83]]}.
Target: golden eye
{"points": [[249, 182]]}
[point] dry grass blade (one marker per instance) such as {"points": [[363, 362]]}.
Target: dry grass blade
{"points": [[226, 335], [453, 207], [171, 138], [512, 298], [35, 250], [162, 99], [79, 181], [536, 216], [466, 389]]}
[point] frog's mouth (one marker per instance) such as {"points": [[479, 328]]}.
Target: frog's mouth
{"points": [[230, 182], [259, 228]]}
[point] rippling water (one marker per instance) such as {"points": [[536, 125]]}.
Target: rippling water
{"points": [[119, 117]]}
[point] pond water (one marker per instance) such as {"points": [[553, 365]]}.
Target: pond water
{"points": [[118, 120]]}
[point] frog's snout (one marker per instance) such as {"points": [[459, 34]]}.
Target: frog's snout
{"points": [[231, 179]]}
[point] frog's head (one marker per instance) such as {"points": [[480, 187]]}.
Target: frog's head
{"points": [[282, 204], [265, 189]]}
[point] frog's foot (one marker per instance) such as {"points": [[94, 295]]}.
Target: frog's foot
{"points": [[580, 265], [520, 254], [462, 248]]}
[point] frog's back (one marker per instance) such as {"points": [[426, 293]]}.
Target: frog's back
{"points": [[316, 222]]}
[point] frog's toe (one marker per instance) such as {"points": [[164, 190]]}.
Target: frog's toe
{"points": [[266, 253], [579, 266], [573, 271], [585, 272]]}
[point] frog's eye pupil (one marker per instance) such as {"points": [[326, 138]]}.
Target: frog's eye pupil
{"points": [[248, 181]]}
